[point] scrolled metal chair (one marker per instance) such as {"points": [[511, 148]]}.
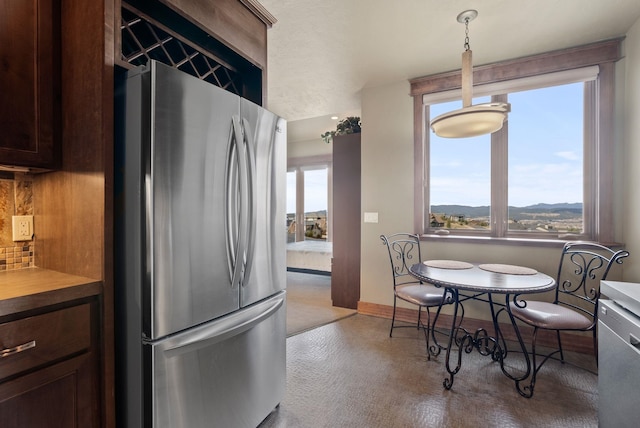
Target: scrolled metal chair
{"points": [[404, 251], [575, 306]]}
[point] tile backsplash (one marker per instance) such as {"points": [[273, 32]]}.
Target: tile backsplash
{"points": [[16, 198], [17, 257]]}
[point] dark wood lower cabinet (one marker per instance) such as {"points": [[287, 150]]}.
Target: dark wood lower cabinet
{"points": [[56, 396], [49, 368]]}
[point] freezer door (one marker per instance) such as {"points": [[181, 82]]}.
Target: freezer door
{"points": [[264, 136], [188, 276], [226, 373]]}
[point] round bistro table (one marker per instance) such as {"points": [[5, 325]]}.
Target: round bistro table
{"points": [[481, 279]]}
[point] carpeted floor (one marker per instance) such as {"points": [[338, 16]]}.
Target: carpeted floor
{"points": [[309, 302], [351, 374]]}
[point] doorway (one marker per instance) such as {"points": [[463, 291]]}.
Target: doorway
{"points": [[309, 223]]}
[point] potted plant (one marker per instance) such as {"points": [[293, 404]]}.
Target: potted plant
{"points": [[349, 125]]}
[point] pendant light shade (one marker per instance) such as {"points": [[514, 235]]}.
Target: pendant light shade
{"points": [[470, 120]]}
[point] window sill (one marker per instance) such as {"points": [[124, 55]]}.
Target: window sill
{"points": [[522, 242]]}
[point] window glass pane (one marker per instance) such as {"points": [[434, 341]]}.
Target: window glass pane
{"points": [[546, 159], [460, 177], [291, 206], [316, 201]]}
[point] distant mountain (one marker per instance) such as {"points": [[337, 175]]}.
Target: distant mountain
{"points": [[565, 205], [559, 211]]}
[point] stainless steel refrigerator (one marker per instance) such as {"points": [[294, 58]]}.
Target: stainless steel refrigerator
{"points": [[200, 262]]}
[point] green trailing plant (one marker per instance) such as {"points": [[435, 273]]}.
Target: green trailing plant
{"points": [[348, 125]]}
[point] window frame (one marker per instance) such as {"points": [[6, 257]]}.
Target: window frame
{"points": [[299, 165], [598, 135]]}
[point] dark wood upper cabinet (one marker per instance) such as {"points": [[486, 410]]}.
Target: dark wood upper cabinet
{"points": [[239, 24], [30, 83], [223, 42]]}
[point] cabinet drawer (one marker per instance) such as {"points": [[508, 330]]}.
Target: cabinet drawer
{"points": [[38, 340]]}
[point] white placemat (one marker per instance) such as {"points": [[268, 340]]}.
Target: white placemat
{"points": [[510, 269], [448, 264]]}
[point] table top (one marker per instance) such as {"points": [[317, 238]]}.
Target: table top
{"points": [[480, 280]]}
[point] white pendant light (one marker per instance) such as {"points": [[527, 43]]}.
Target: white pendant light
{"points": [[470, 120]]}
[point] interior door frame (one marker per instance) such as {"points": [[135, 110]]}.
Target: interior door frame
{"points": [[299, 164]]}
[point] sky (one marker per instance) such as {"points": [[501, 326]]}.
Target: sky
{"points": [[545, 152], [545, 156], [315, 195]]}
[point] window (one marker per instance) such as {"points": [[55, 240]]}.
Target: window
{"points": [[460, 179], [546, 161], [316, 203], [543, 168], [545, 175], [308, 199]]}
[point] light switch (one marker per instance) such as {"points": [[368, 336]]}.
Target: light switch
{"points": [[22, 227], [370, 217]]}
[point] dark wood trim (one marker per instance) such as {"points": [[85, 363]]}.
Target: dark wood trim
{"points": [[550, 62], [570, 342]]}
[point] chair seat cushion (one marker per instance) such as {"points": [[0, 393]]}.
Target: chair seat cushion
{"points": [[550, 316], [420, 294]]}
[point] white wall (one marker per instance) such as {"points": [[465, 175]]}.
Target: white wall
{"points": [[387, 188], [301, 149], [631, 165], [387, 181]]}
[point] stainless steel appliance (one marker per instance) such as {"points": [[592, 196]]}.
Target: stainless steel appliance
{"points": [[201, 273], [618, 354]]}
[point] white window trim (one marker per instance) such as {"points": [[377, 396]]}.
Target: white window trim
{"points": [[299, 165]]}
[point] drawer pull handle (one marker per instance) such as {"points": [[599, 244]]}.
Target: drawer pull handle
{"points": [[16, 349]]}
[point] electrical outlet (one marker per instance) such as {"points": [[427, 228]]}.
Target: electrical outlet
{"points": [[22, 227]]}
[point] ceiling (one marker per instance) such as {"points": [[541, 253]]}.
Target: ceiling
{"points": [[323, 53]]}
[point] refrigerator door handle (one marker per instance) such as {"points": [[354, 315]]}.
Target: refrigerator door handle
{"points": [[235, 217], [222, 331], [251, 200]]}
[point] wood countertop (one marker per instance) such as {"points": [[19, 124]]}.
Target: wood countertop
{"points": [[31, 288]]}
